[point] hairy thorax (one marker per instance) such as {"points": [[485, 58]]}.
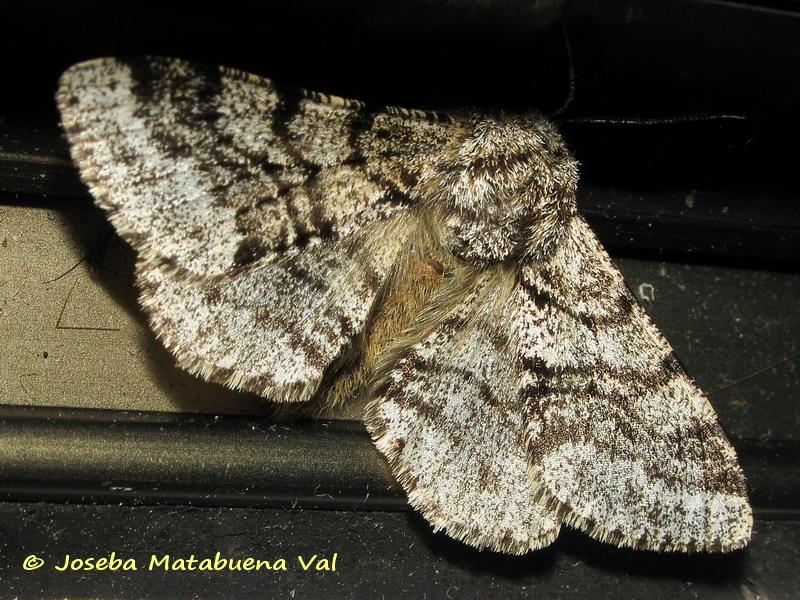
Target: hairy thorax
{"points": [[506, 187]]}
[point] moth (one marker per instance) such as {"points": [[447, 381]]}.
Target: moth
{"points": [[310, 249]]}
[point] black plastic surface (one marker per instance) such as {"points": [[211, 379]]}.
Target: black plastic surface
{"points": [[685, 117]]}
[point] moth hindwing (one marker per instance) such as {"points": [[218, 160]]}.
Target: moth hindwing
{"points": [[432, 262]]}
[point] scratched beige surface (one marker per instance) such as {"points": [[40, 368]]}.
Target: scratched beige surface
{"points": [[101, 353], [71, 333]]}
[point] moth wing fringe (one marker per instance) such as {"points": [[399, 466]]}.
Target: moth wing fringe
{"points": [[430, 511], [602, 533]]}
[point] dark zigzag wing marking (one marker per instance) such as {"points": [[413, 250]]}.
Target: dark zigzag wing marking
{"points": [[637, 460], [448, 420], [227, 179], [210, 171], [275, 330]]}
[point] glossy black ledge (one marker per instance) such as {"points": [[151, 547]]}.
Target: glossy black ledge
{"points": [[88, 455]]}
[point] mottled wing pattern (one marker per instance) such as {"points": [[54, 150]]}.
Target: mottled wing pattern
{"points": [[620, 439], [449, 420], [532, 389], [275, 330], [265, 218], [209, 170]]}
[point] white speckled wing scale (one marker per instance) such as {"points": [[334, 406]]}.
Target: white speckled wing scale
{"points": [[547, 395], [277, 329], [450, 421], [254, 209], [210, 170], [285, 236], [620, 439]]}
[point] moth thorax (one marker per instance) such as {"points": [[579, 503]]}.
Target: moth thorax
{"points": [[491, 236], [506, 186]]}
